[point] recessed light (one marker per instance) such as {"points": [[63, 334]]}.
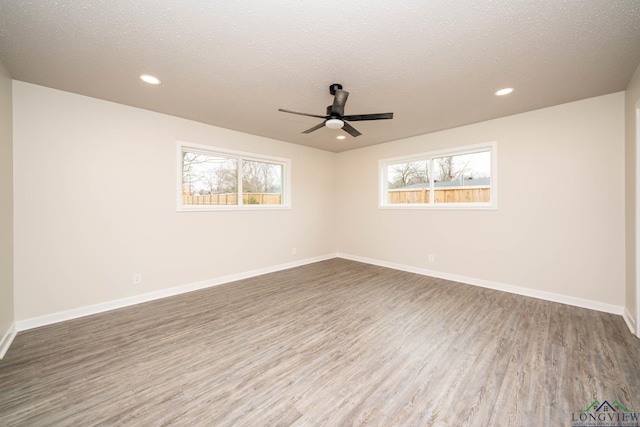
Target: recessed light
{"points": [[150, 79], [340, 137], [505, 91]]}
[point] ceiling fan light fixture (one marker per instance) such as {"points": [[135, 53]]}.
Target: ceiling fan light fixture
{"points": [[334, 123]]}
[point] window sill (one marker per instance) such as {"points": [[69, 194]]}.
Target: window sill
{"points": [[443, 206], [232, 208]]}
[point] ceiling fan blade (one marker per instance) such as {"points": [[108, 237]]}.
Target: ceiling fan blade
{"points": [[340, 98], [350, 130], [316, 127], [301, 114], [361, 117]]}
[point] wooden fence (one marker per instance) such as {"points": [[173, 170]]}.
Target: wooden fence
{"points": [[232, 199], [418, 195], [441, 195]]}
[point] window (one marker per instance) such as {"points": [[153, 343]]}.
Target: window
{"points": [[464, 177], [212, 178]]}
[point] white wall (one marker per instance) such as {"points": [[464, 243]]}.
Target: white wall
{"points": [[95, 186], [559, 227], [632, 103], [6, 204], [94, 203]]}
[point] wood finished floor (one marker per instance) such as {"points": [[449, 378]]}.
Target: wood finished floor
{"points": [[334, 343]]}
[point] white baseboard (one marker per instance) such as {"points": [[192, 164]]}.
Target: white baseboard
{"points": [[628, 319], [48, 319], [7, 339], [548, 296], [22, 325]]}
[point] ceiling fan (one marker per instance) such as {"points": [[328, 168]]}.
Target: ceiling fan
{"points": [[335, 118]]}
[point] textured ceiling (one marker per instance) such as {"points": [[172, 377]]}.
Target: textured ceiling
{"points": [[435, 64]]}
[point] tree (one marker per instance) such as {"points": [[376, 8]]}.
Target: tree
{"points": [[260, 177], [404, 174], [227, 179], [450, 168], [190, 162], [207, 174]]}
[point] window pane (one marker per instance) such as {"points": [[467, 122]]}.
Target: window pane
{"points": [[408, 182], [209, 179], [463, 178], [261, 183]]}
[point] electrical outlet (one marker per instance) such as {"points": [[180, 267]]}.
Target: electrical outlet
{"points": [[432, 258], [137, 279], [293, 251]]}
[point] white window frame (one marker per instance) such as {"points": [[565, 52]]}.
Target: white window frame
{"points": [[240, 156], [383, 181]]}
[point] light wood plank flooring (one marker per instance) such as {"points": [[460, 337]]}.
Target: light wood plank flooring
{"points": [[334, 343]]}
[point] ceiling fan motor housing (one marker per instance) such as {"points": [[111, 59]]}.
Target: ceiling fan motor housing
{"points": [[334, 87]]}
